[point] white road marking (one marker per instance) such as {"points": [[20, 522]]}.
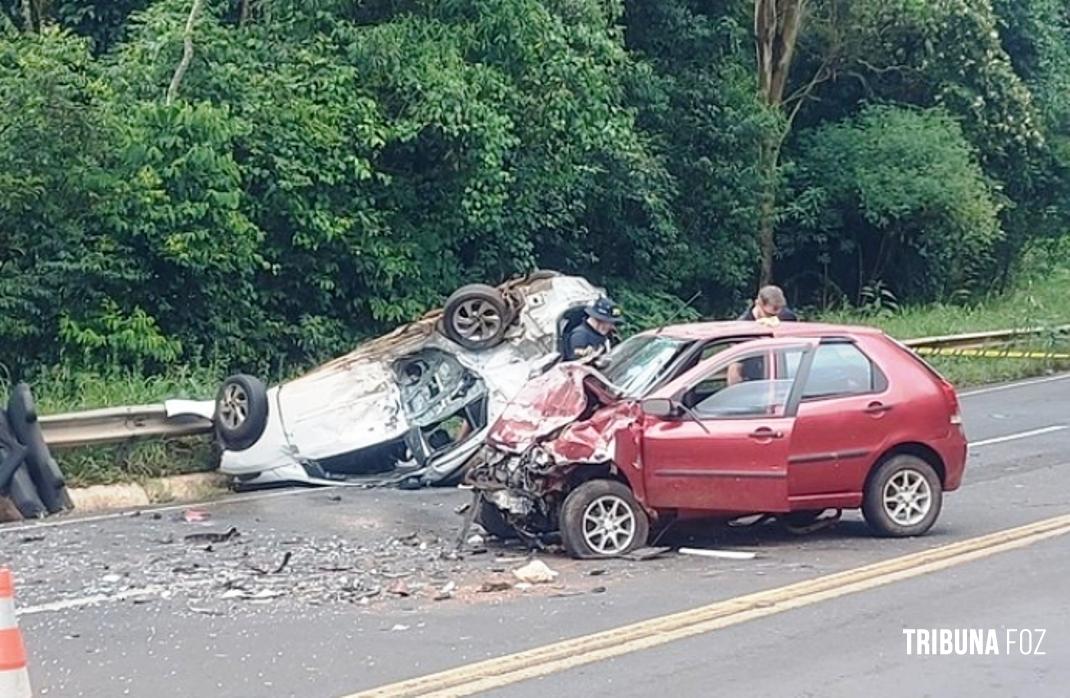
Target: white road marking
{"points": [[1019, 435], [1018, 384], [89, 601], [96, 599], [155, 510]]}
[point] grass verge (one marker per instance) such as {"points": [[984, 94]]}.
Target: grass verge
{"points": [[1037, 302]]}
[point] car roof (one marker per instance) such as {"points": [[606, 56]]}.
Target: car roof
{"points": [[705, 331]]}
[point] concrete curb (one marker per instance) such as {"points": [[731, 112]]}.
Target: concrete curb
{"points": [[180, 488]]}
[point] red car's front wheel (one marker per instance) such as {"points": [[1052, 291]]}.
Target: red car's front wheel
{"points": [[601, 518]]}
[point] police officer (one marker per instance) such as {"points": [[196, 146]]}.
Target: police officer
{"points": [[592, 336]]}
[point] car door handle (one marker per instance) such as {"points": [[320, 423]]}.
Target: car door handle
{"points": [[766, 433], [877, 408]]}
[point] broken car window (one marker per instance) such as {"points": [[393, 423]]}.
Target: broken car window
{"points": [[637, 364]]}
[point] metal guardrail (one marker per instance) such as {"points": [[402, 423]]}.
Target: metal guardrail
{"points": [[972, 340], [115, 424]]}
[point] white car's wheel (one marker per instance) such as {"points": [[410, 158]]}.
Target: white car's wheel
{"points": [[241, 411], [476, 316]]}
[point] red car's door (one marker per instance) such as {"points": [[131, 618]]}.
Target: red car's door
{"points": [[724, 444], [846, 414]]}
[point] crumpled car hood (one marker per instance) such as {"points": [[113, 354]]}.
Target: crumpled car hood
{"points": [[549, 403]]}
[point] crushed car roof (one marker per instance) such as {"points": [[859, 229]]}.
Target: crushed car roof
{"points": [[715, 330]]}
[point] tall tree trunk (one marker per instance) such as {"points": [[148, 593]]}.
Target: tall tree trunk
{"points": [[776, 31], [768, 157], [27, 16], [187, 53]]}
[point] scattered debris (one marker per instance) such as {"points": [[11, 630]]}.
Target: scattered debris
{"points": [[644, 554], [496, 584], [399, 627], [475, 540], [598, 590], [725, 554], [260, 595], [111, 579], [205, 611], [596, 573], [399, 588], [285, 561], [30, 539], [213, 537], [535, 572], [446, 592], [195, 515]]}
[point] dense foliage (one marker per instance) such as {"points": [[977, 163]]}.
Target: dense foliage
{"points": [[331, 167]]}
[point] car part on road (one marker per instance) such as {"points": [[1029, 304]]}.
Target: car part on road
{"points": [[45, 472], [903, 497], [803, 523], [722, 554], [476, 316], [601, 518], [493, 521], [241, 411], [29, 476]]}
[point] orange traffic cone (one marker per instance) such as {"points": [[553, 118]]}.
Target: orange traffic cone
{"points": [[14, 679]]}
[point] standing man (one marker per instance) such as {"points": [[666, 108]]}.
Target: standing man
{"points": [[769, 306], [592, 336], [770, 303]]}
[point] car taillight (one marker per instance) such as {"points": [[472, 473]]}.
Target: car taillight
{"points": [[952, 399]]}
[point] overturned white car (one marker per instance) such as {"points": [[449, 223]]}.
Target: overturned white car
{"points": [[410, 407]]}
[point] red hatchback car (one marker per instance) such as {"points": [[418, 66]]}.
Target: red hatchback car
{"points": [[723, 420]]}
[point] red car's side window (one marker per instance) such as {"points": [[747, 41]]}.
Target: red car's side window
{"points": [[841, 369]]}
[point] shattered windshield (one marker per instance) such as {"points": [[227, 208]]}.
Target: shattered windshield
{"points": [[637, 364]]}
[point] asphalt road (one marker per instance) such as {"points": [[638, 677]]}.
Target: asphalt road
{"points": [[126, 605]]}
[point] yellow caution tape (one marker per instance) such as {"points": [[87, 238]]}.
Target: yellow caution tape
{"points": [[994, 353]]}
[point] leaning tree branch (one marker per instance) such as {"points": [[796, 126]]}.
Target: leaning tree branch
{"points": [[187, 53], [27, 16]]}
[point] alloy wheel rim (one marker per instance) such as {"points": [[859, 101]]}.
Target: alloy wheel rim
{"points": [[234, 406], [908, 498], [608, 525], [477, 320]]}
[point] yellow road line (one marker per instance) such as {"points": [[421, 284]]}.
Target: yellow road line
{"points": [[994, 353], [569, 654]]}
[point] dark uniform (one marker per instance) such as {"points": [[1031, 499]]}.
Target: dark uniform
{"points": [[585, 340]]}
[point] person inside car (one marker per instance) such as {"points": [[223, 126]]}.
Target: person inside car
{"points": [[592, 336]]}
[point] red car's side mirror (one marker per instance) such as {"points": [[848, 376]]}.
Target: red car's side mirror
{"points": [[661, 407]]}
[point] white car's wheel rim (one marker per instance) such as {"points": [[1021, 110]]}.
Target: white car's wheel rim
{"points": [[908, 498], [477, 320], [608, 525], [234, 406]]}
